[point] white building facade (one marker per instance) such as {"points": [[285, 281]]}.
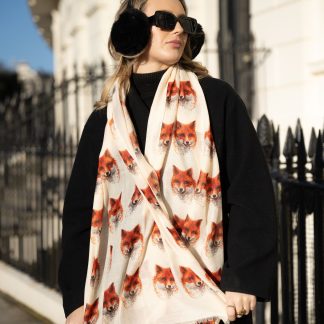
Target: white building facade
{"points": [[288, 82]]}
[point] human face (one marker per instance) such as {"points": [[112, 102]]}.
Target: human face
{"points": [[165, 47]]}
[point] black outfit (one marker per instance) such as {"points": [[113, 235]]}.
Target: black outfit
{"points": [[247, 192]]}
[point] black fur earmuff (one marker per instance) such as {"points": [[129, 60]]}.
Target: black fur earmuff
{"points": [[130, 33], [197, 41]]}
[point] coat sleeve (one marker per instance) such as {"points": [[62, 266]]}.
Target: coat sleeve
{"points": [[77, 211], [250, 228]]}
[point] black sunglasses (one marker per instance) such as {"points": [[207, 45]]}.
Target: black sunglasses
{"points": [[167, 21]]}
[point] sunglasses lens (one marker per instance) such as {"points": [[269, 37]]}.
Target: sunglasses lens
{"points": [[165, 20]]}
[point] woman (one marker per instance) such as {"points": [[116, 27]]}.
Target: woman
{"points": [[185, 232]]}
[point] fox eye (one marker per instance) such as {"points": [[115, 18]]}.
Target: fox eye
{"points": [[163, 278], [191, 278], [186, 182]]}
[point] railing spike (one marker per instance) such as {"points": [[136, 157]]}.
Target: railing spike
{"points": [[301, 156], [265, 136], [312, 144], [318, 164]]}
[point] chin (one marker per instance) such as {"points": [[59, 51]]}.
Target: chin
{"points": [[171, 59]]}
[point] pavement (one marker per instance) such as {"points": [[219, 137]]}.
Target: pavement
{"points": [[12, 312]]}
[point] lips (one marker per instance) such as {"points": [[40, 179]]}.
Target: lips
{"points": [[175, 42]]}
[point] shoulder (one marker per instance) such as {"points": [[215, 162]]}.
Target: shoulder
{"points": [[221, 93], [97, 119], [94, 126], [98, 115], [217, 90]]}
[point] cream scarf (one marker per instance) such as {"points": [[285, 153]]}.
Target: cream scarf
{"points": [[156, 245]]}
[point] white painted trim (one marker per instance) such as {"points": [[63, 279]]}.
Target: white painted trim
{"points": [[36, 296]]}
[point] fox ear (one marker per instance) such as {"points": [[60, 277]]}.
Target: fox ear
{"points": [[111, 287], [183, 269], [192, 124], [137, 229], [175, 169], [158, 269], [189, 172]]}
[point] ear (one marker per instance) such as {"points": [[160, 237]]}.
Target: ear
{"points": [[158, 269]]}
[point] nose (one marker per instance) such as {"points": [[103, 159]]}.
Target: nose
{"points": [[178, 28]]}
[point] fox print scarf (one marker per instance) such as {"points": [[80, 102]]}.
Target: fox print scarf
{"points": [[156, 242]]}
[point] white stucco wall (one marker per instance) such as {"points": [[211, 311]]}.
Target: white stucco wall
{"points": [[289, 83]]}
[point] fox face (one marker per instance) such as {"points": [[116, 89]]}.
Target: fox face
{"points": [[188, 228], [153, 181], [201, 186], [156, 236], [214, 238], [95, 272], [128, 160], [191, 282], [91, 313], [182, 182], [107, 167], [214, 276], [187, 94], [172, 92], [110, 302], [214, 188], [96, 221], [136, 199], [132, 287], [149, 195], [134, 141], [131, 240], [163, 282], [177, 237], [166, 134], [115, 213], [185, 135]]}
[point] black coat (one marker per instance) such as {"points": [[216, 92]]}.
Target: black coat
{"points": [[247, 196]]}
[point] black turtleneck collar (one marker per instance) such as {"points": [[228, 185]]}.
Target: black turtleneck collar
{"points": [[145, 85]]}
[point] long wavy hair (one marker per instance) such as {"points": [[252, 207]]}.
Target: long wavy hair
{"points": [[125, 65]]}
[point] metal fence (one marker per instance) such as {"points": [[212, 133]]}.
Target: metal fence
{"points": [[299, 189], [36, 158]]}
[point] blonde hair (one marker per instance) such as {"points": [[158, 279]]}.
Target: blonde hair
{"points": [[125, 65]]}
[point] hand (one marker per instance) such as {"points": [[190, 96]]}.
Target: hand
{"points": [[76, 317], [240, 301]]}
